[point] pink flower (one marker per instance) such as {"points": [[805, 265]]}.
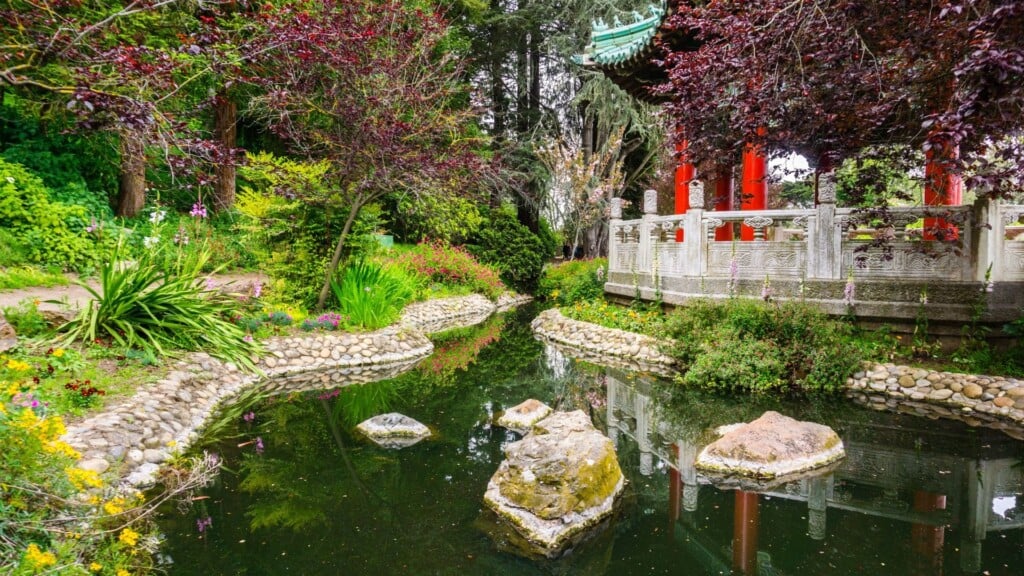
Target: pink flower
{"points": [[198, 210]]}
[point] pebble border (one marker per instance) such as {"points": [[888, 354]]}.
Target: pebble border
{"points": [[990, 401], [141, 432]]}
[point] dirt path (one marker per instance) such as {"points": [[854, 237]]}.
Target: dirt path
{"points": [[76, 295]]}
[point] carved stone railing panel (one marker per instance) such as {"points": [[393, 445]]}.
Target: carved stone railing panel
{"points": [[671, 260], [756, 260], [1013, 260], [905, 260], [624, 258]]}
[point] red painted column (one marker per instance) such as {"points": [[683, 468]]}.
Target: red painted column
{"points": [[684, 174], [754, 188], [927, 541], [723, 200], [744, 533], [941, 188]]}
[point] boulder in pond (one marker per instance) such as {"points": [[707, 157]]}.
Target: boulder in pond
{"points": [[560, 480], [769, 448], [393, 430], [524, 415]]}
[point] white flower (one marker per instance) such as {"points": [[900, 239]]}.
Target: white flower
{"points": [[150, 241], [10, 179], [157, 216]]}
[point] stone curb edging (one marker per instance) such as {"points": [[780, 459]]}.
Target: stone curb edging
{"points": [[144, 430], [978, 400], [553, 326]]}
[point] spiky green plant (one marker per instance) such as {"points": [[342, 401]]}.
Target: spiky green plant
{"points": [[372, 296], [142, 305]]}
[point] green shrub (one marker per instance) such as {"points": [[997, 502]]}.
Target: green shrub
{"points": [[738, 364], [574, 281], [451, 266], [49, 232], [372, 296], [508, 245], [746, 344], [145, 306], [26, 319]]}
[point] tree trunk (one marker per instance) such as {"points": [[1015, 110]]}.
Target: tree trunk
{"points": [[523, 82], [131, 194], [535, 41], [332, 267], [225, 115]]}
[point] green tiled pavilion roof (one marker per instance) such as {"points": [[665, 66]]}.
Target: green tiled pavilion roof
{"points": [[620, 43]]}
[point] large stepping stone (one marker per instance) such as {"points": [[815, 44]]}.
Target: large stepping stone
{"points": [[393, 430], [557, 483], [522, 417], [773, 447]]}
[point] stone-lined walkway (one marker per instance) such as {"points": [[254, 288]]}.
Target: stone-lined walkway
{"points": [[990, 401], [142, 431]]}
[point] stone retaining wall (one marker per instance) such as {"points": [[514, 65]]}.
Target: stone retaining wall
{"points": [[142, 431], [553, 326], [990, 401]]}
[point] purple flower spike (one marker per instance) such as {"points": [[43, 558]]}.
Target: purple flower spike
{"points": [[198, 210], [259, 445], [249, 416], [203, 523]]}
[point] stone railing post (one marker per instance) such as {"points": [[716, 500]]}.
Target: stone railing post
{"points": [[988, 237], [614, 224], [824, 235], [692, 232], [646, 247]]}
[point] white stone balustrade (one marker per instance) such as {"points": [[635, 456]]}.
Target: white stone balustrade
{"points": [[891, 255]]}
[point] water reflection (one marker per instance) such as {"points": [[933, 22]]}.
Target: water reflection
{"points": [[929, 478]]}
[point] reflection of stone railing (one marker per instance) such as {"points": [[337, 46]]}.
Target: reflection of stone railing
{"points": [[812, 253]]}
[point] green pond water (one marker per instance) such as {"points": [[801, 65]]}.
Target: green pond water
{"points": [[914, 496]]}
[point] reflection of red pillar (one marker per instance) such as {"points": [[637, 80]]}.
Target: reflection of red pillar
{"points": [[684, 174], [754, 186], [675, 489], [744, 533], [927, 541], [941, 188], [723, 200]]}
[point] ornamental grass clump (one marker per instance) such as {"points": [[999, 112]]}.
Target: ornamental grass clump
{"points": [[754, 346], [372, 296], [144, 305]]}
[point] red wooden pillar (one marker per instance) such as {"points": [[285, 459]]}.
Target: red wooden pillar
{"points": [[744, 533], [927, 541], [723, 199], [684, 174], [754, 185], [941, 188]]}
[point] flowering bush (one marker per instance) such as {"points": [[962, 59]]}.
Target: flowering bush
{"points": [[451, 266]]}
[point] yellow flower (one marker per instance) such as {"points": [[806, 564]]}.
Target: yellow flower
{"points": [[38, 559], [95, 567], [17, 365], [3, 409], [58, 352], [63, 448], [115, 507], [129, 537], [82, 479], [123, 572]]}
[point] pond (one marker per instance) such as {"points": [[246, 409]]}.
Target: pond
{"points": [[302, 493]]}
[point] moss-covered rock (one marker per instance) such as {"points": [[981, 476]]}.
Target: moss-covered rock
{"points": [[560, 479]]}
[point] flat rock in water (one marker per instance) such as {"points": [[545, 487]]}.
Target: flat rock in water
{"points": [[523, 416], [560, 480], [771, 447], [393, 430]]}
